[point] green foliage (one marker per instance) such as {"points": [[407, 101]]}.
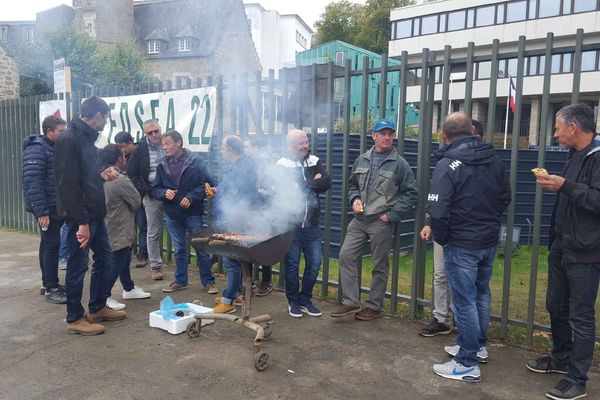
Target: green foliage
{"points": [[355, 125], [367, 26], [121, 65]]}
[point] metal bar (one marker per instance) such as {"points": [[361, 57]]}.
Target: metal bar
{"points": [[244, 106], [299, 99], [383, 85], [537, 213], [445, 109], [258, 104], [469, 79], [345, 155], [364, 104], [313, 110], [271, 114], [401, 127], [577, 67], [510, 219], [233, 104], [285, 104], [491, 117]]}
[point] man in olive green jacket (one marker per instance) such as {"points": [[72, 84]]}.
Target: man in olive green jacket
{"points": [[381, 188]]}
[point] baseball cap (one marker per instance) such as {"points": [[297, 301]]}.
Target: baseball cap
{"points": [[383, 124]]}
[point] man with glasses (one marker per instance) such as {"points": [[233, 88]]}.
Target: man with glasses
{"points": [[141, 169]]}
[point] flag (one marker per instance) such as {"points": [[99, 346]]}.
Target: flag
{"points": [[511, 94]]}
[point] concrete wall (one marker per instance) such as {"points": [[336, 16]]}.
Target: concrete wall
{"points": [[9, 76], [112, 19]]}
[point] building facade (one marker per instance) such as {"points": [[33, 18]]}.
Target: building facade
{"points": [[9, 75], [435, 24]]}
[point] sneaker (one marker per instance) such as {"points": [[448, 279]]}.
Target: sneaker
{"points": [[344, 310], [238, 300], [55, 295], [367, 314], [457, 371], [482, 354], [106, 314], [294, 310], [264, 289], [211, 288], [223, 308], [114, 305], [157, 274], [141, 262], [62, 264], [135, 293], [434, 328], [311, 310], [174, 287], [566, 390], [84, 327], [546, 365]]}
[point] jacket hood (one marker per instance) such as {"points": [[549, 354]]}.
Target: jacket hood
{"points": [[89, 133], [470, 150], [32, 140]]}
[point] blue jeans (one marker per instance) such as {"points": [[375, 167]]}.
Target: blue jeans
{"points": [[119, 269], [234, 279], [308, 241], [570, 300], [77, 266], [469, 272], [178, 229], [48, 253], [64, 232], [141, 223]]}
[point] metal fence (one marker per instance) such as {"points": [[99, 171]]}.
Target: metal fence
{"points": [[304, 98]]}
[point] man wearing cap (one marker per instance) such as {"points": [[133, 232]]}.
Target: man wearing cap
{"points": [[381, 188]]}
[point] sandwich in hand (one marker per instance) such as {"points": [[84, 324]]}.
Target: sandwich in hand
{"points": [[540, 172]]}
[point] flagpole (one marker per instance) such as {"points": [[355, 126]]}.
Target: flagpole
{"points": [[506, 120]]}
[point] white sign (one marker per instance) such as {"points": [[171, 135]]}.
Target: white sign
{"points": [[52, 107], [191, 112], [61, 77]]}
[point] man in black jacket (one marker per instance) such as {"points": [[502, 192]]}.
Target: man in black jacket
{"points": [[141, 169], [574, 256], [80, 198], [39, 189], [469, 192]]}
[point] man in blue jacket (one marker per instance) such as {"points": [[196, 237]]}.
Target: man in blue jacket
{"points": [[179, 184], [39, 189], [469, 192]]}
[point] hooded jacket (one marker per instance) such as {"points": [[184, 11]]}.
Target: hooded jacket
{"points": [[193, 178], [79, 187], [39, 187], [122, 201], [469, 192]]}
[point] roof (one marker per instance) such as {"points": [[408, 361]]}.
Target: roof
{"points": [[299, 18], [187, 32], [366, 52], [158, 34]]}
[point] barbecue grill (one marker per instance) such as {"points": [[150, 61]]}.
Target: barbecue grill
{"points": [[247, 250]]}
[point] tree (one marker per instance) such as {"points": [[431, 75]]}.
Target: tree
{"points": [[122, 64], [367, 26]]}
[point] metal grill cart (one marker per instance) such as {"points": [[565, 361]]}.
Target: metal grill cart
{"points": [[248, 250]]}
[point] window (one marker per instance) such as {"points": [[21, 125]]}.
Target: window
{"points": [[442, 22], [339, 58], [153, 47], [89, 28], [549, 8], [556, 64], [584, 5], [532, 9], [542, 65], [588, 61], [567, 62], [484, 70], [4, 34], [485, 16], [532, 68], [184, 44], [516, 11], [429, 24], [301, 40], [403, 28], [512, 67], [470, 18], [416, 26], [456, 20], [566, 7], [500, 15]]}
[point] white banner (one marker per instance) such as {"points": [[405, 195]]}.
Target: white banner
{"points": [[190, 112], [52, 107]]}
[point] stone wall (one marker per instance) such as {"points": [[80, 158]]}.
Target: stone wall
{"points": [[9, 76]]}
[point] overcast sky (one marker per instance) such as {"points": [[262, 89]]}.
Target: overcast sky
{"points": [[309, 10]]}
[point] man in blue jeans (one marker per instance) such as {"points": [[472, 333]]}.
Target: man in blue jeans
{"points": [[469, 192], [179, 184], [308, 173]]}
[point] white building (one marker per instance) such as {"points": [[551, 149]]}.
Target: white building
{"points": [[277, 38], [434, 24]]}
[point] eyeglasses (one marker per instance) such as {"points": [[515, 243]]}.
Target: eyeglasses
{"points": [[154, 132]]}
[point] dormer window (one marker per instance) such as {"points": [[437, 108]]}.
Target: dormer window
{"points": [[153, 46], [185, 44]]}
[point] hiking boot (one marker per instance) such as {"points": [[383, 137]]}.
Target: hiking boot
{"points": [[310, 309], [211, 288], [566, 390], [84, 327], [106, 314], [62, 264], [546, 365], [264, 289], [55, 295], [174, 287], [223, 308], [141, 262], [238, 300], [434, 328], [294, 310], [457, 371], [482, 353], [344, 310], [114, 305], [157, 274], [135, 293], [367, 314]]}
